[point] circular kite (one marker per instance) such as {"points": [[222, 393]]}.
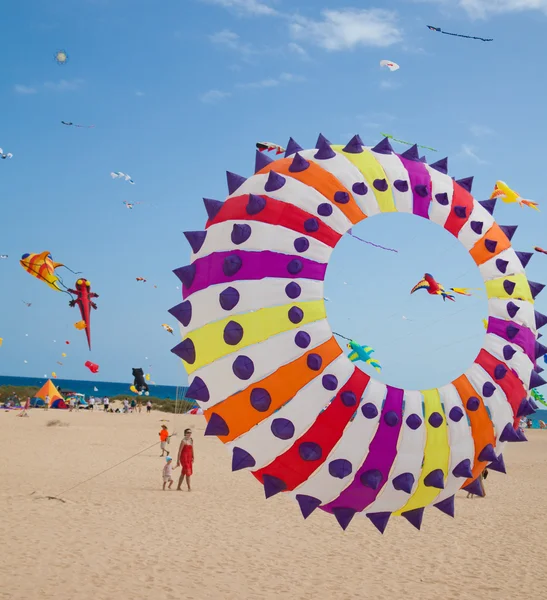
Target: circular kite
{"points": [[61, 57], [276, 387]]}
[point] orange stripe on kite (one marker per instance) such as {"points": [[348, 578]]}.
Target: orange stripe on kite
{"points": [[282, 385], [324, 182], [491, 244]]}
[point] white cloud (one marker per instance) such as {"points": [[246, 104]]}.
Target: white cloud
{"points": [[273, 82], [480, 9], [387, 84], [139, 93], [470, 152], [64, 86], [245, 7], [23, 89], [297, 49], [213, 96], [346, 29], [230, 39], [480, 130]]}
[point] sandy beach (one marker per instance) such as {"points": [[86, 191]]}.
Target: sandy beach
{"points": [[120, 536]]}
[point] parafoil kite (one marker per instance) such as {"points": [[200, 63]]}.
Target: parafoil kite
{"points": [[91, 366], [408, 144], [75, 125], [263, 363], [269, 146], [538, 249], [43, 268], [509, 196], [85, 303], [471, 37], [120, 175], [363, 353], [167, 328], [5, 155], [139, 382], [390, 65]]}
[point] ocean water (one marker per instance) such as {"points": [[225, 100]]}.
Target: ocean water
{"points": [[105, 388]]}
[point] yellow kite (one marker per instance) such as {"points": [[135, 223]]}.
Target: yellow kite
{"points": [[43, 268], [509, 196]]}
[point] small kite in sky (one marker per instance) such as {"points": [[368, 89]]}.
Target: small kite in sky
{"points": [[433, 287], [84, 301], [3, 256], [538, 249], [390, 65], [509, 196], [141, 279], [168, 328], [470, 37], [80, 325], [120, 175], [43, 268], [269, 146], [5, 155], [61, 57], [74, 125], [363, 353], [91, 366], [407, 143], [28, 304]]}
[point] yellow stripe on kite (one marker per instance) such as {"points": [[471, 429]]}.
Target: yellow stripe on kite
{"points": [[257, 327], [436, 453], [371, 170], [495, 289]]}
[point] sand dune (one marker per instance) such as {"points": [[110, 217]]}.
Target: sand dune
{"points": [[120, 536]]}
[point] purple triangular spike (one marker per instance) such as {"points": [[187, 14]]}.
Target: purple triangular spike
{"points": [[508, 285], [255, 204], [273, 485], [509, 230], [217, 426], [512, 308], [475, 488], [539, 369], [241, 459], [536, 380], [489, 205], [540, 335], [412, 153], [299, 163], [343, 516], [414, 517], [423, 159], [509, 434], [383, 147], [324, 151], [463, 469], [186, 274], [466, 183], [379, 520], [198, 390], [487, 454], [498, 465], [292, 148], [182, 312], [512, 331], [435, 479], [195, 239], [540, 319], [275, 182], [307, 504], [321, 140], [262, 160], [535, 288], [441, 166], [521, 436], [532, 403], [446, 506], [524, 409], [354, 146], [212, 207], [524, 257], [186, 351], [540, 349], [234, 181]]}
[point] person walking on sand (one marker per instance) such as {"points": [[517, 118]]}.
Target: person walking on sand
{"points": [[139, 406], [482, 477], [148, 406], [185, 458], [164, 440], [168, 472], [106, 402]]}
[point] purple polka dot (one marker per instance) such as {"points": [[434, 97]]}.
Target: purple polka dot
{"points": [[240, 233], [228, 298], [369, 410], [341, 197], [512, 309], [456, 414], [359, 188], [329, 382], [371, 479], [502, 265], [255, 205], [435, 419], [413, 421], [460, 211], [500, 372], [243, 367], [311, 225], [508, 352], [295, 266], [477, 226], [348, 398], [340, 468], [233, 333], [231, 265], [488, 389], [296, 314], [302, 339], [473, 403], [391, 418], [301, 244], [282, 429], [310, 451], [421, 190], [293, 290], [381, 185], [324, 209], [400, 185], [509, 286], [260, 399], [490, 245], [442, 198], [314, 361]]}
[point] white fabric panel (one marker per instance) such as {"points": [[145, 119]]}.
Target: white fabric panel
{"points": [[267, 357], [394, 169], [467, 236], [302, 410], [489, 269], [440, 183], [460, 440], [264, 236], [501, 412], [298, 194], [253, 295], [520, 363], [409, 459], [353, 446], [497, 307]]}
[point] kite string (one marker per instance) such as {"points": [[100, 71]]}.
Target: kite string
{"points": [[342, 336], [372, 244]]}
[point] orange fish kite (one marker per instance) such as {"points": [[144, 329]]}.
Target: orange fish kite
{"points": [[43, 268]]}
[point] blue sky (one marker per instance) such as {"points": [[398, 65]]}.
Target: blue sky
{"points": [[181, 91]]}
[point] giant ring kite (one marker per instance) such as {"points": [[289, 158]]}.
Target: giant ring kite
{"points": [[275, 386]]}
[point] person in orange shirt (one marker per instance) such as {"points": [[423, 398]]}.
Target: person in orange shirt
{"points": [[164, 440]]}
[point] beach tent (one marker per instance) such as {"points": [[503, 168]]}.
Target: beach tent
{"points": [[55, 399]]}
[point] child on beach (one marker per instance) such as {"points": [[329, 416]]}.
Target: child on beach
{"points": [[185, 457], [164, 440], [168, 472], [148, 406]]}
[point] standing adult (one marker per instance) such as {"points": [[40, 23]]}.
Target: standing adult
{"points": [[92, 402], [106, 402]]}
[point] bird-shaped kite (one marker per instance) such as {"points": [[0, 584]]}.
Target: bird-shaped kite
{"points": [[433, 287], [509, 196], [120, 175], [168, 329], [363, 353]]}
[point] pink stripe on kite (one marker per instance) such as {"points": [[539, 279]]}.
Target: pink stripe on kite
{"points": [[515, 334], [420, 184]]}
